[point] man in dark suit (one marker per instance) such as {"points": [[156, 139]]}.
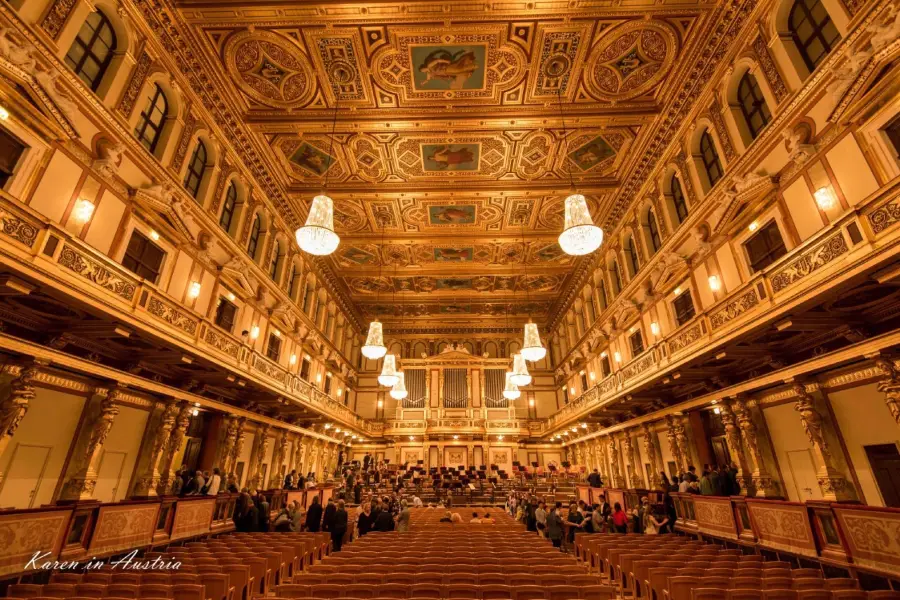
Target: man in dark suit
{"points": [[314, 515], [595, 480], [384, 521], [366, 460], [328, 519], [338, 525]]}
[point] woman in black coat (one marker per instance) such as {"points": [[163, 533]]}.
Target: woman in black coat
{"points": [[328, 519], [338, 526], [314, 515], [246, 515]]}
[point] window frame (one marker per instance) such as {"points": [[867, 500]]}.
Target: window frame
{"points": [[145, 122], [769, 257], [639, 348], [275, 262], [818, 32], [616, 275], [192, 173], [88, 51], [137, 262], [709, 156], [228, 208], [679, 201], [305, 367], [749, 86], [219, 316], [633, 259], [253, 239], [273, 347], [682, 316], [653, 230]]}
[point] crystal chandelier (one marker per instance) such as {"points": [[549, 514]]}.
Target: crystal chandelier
{"points": [[389, 374], [511, 391], [532, 349], [374, 348], [398, 392], [317, 236], [520, 375]]}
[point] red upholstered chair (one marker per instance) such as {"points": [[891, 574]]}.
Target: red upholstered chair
{"points": [[496, 592], [745, 594], [454, 591], [360, 590], [325, 591], [95, 577], [426, 590], [25, 590], [65, 578], [534, 592], [820, 594], [680, 587], [884, 595], [808, 583], [129, 578], [707, 593], [849, 595], [806, 573], [154, 590], [597, 592], [841, 583], [777, 583], [292, 590], [430, 578], [124, 590], [393, 590], [457, 579], [157, 578], [59, 590], [561, 592], [95, 590]]}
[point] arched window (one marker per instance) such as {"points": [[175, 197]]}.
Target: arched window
{"points": [[591, 313], [195, 169], [601, 294], [813, 32], [153, 117], [275, 264], [710, 158], [633, 260], [255, 230], [616, 277], [228, 207], [653, 230], [293, 282], [753, 105], [91, 52], [681, 209]]}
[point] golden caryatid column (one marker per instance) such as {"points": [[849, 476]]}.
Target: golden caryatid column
{"points": [[296, 462], [648, 438], [603, 465], [615, 478], [240, 437], [735, 445], [167, 466], [832, 482], [762, 482], [635, 479], [229, 439], [82, 477], [147, 484], [275, 478], [258, 457], [890, 386], [675, 431], [15, 406]]}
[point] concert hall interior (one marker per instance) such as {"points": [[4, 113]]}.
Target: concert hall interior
{"points": [[436, 299]]}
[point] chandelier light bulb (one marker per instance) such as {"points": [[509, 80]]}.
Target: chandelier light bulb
{"points": [[389, 376], [398, 392], [374, 348], [532, 349], [511, 391], [83, 211], [520, 375], [824, 198], [317, 237], [580, 236]]}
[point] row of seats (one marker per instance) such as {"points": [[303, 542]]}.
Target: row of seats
{"points": [[435, 592], [116, 590], [514, 576]]}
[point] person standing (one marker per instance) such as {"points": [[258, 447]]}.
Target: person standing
{"points": [[314, 515], [289, 480], [328, 518], [246, 515], [364, 520], [384, 521], [262, 505], [555, 527], [215, 482], [338, 526], [594, 479], [575, 518], [619, 519], [403, 517], [540, 516]]}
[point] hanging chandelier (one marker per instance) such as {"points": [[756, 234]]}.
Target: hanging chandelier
{"points": [[374, 348], [520, 375], [532, 349], [579, 236], [398, 392], [317, 236], [389, 374], [511, 391]]}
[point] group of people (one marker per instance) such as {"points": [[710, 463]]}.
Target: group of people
{"points": [[714, 480], [383, 514], [295, 481], [199, 483]]}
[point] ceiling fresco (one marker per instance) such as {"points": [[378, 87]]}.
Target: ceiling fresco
{"points": [[458, 132]]}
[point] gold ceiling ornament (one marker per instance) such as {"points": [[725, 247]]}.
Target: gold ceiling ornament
{"points": [[520, 375], [579, 235], [511, 391], [398, 392], [317, 236], [389, 375]]}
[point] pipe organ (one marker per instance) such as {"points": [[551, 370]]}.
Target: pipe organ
{"points": [[456, 388]]}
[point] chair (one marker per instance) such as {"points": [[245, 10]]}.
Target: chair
{"points": [[777, 583], [455, 591], [426, 590], [536, 592], [780, 594], [808, 583], [493, 579], [496, 592], [745, 594], [849, 595], [325, 591], [776, 564], [25, 590], [680, 587], [216, 584], [393, 590], [124, 590], [95, 577], [457, 579], [72, 578], [428, 577], [129, 578], [806, 573], [705, 593], [59, 590], [292, 590], [399, 578], [157, 578], [746, 582], [841, 583], [360, 590], [820, 594], [97, 590], [597, 592], [561, 592], [154, 590], [884, 595]]}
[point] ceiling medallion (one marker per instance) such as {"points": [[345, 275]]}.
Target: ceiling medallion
{"points": [[269, 68]]}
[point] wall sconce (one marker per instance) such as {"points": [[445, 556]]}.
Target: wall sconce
{"points": [[753, 226], [412, 438], [584, 425], [230, 297], [381, 404], [455, 437], [195, 412], [603, 354], [254, 332], [500, 438], [4, 114], [319, 378], [714, 283], [276, 333], [339, 392], [193, 290], [618, 357], [677, 291], [717, 410], [824, 198], [83, 211], [593, 377], [531, 402], [154, 235], [654, 328], [327, 426], [293, 359], [574, 430], [572, 391], [337, 429]]}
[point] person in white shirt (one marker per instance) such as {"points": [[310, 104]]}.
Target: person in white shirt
{"points": [[417, 502], [684, 485], [475, 518], [215, 482]]}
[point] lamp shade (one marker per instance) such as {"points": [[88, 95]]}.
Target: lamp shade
{"points": [[398, 392], [317, 236], [511, 391], [389, 375], [374, 347], [580, 236], [520, 375], [532, 349]]}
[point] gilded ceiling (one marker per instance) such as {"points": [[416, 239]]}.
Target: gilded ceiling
{"points": [[450, 162]]}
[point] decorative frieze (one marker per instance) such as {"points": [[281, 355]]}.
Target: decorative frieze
{"points": [[769, 69], [135, 84], [18, 229], [810, 261], [884, 216], [268, 369], [686, 337], [733, 309], [222, 342], [172, 315], [645, 362], [57, 16], [95, 272]]}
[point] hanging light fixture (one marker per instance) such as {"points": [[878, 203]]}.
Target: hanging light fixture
{"points": [[520, 375], [317, 236], [398, 392], [374, 347], [579, 236], [511, 391], [389, 374], [532, 349]]}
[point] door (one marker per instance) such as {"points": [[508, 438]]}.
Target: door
{"points": [[885, 462], [24, 475], [192, 454], [720, 451], [803, 474], [109, 476]]}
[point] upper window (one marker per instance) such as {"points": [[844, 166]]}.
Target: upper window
{"points": [[273, 348], [753, 105], [143, 257], [228, 207], [225, 314], [765, 247], [813, 32], [294, 282], [304, 369], [893, 133], [710, 158], [616, 277], [255, 230], [684, 308], [11, 149], [308, 299], [584, 381], [637, 343], [633, 260], [275, 264], [653, 230], [93, 48], [605, 366], [195, 169], [327, 387], [601, 294], [681, 209], [320, 306], [591, 313], [153, 117]]}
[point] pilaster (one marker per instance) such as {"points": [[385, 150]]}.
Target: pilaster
{"points": [[15, 406]]}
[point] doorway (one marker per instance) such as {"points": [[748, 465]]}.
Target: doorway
{"points": [[24, 475], [720, 451], [885, 462], [803, 473], [109, 476]]}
